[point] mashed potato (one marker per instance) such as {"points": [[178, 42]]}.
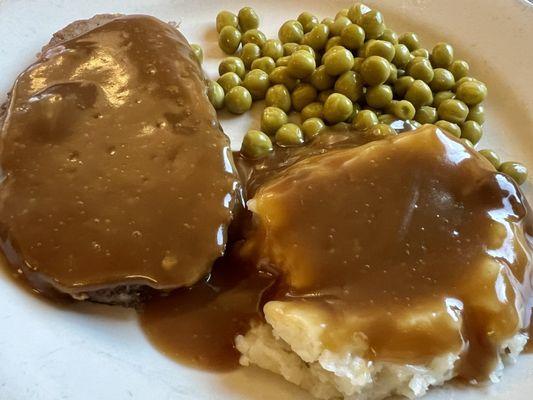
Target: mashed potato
{"points": [[290, 345], [404, 264]]}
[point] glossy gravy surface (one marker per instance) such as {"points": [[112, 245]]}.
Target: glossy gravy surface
{"points": [[414, 242], [115, 169], [197, 326], [116, 172]]}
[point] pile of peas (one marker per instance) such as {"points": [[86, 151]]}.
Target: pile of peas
{"points": [[350, 69]]}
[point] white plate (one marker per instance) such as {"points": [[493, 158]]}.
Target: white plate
{"points": [[98, 352]]}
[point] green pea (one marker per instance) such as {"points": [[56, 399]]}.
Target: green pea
{"points": [[401, 55], [472, 131], [424, 53], [339, 24], [338, 60], [249, 53], [198, 52], [238, 100], [476, 113], [272, 119], [373, 24], [356, 109], [442, 55], [365, 119], [337, 108], [426, 115], [289, 48], [393, 76], [334, 41], [515, 170], [323, 95], [328, 21], [439, 97], [232, 64], [380, 48], [266, 64], [403, 109], [291, 32], [352, 37], [453, 110], [317, 37], [402, 84], [256, 144], [471, 93], [413, 60], [280, 75], [301, 64], [289, 135], [361, 52], [312, 110], [215, 93], [468, 143], [248, 19], [419, 94], [387, 118], [356, 11], [308, 49], [492, 157], [410, 39], [390, 36], [303, 95], [307, 20], [320, 79], [350, 84], [312, 127], [442, 80], [466, 79], [253, 36], [375, 70], [257, 83], [449, 127], [283, 61], [229, 39], [421, 70], [459, 69], [357, 63], [226, 18], [342, 13], [379, 131], [229, 80], [273, 49], [278, 96], [378, 96]]}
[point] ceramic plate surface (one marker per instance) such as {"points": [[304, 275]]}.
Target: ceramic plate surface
{"points": [[87, 351]]}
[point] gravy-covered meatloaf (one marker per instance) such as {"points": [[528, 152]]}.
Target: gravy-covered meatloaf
{"points": [[116, 174]]}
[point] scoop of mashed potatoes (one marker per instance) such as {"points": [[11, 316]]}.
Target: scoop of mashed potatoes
{"points": [[404, 264]]}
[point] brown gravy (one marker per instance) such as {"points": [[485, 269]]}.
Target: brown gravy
{"points": [[115, 169], [435, 267], [197, 326], [414, 241], [420, 227]]}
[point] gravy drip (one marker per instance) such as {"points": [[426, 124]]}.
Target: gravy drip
{"points": [[197, 326]]}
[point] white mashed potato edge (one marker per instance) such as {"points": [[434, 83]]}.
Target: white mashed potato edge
{"points": [[296, 353]]}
